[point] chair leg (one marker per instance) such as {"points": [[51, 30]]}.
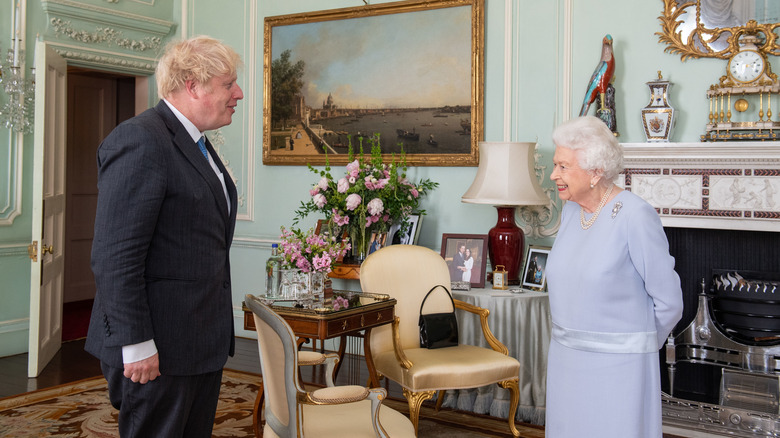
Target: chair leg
{"points": [[257, 422], [514, 393], [415, 400], [439, 400]]}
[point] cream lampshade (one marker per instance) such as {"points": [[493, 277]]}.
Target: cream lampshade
{"points": [[506, 179]]}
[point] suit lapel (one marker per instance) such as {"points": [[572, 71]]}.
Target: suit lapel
{"points": [[191, 152], [229, 185]]}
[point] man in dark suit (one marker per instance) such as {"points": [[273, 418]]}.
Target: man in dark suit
{"points": [[162, 321], [458, 263]]}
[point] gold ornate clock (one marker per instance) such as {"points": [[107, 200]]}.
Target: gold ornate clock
{"points": [[749, 81]]}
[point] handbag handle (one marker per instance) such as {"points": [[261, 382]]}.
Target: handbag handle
{"points": [[434, 288]]}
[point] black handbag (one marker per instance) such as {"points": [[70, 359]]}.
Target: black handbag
{"points": [[438, 330]]}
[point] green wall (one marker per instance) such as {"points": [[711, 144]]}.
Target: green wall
{"points": [[535, 42]]}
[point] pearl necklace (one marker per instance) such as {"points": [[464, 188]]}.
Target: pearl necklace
{"points": [[588, 223]]}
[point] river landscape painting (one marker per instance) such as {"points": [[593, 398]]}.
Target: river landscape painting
{"points": [[409, 71]]}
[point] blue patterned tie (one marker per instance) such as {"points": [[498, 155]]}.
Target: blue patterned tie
{"points": [[202, 146]]}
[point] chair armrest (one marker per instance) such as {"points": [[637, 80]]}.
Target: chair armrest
{"points": [[309, 358], [403, 361], [483, 313]]}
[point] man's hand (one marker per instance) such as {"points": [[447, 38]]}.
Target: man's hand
{"points": [[144, 370]]}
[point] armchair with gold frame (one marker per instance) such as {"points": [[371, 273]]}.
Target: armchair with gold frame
{"points": [[407, 273]]}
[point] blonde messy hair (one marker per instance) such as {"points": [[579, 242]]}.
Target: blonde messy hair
{"points": [[198, 58]]}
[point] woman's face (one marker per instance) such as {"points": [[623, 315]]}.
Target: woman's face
{"points": [[468, 253], [573, 182]]}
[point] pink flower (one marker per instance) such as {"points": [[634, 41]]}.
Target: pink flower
{"points": [[340, 303], [322, 263], [319, 200], [353, 200], [414, 191], [353, 168], [323, 184], [340, 220], [343, 185], [314, 190], [375, 207]]}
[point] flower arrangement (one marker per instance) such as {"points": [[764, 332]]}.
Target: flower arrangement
{"points": [[369, 198], [310, 252]]}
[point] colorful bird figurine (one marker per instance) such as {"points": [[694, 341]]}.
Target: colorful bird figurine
{"points": [[601, 77]]}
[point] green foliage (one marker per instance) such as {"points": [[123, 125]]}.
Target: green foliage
{"points": [[371, 195]]}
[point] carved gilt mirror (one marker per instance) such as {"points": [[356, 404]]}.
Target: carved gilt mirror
{"points": [[712, 28]]}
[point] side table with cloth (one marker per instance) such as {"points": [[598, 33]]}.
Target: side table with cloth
{"points": [[521, 321]]}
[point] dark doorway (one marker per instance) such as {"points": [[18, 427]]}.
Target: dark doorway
{"points": [[97, 102]]}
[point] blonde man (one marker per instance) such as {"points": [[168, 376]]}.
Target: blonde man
{"points": [[162, 322]]}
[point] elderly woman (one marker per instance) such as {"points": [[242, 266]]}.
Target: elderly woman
{"points": [[614, 295]]}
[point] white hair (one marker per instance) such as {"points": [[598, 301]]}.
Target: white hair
{"points": [[597, 148]]}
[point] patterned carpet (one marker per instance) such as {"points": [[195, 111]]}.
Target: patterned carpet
{"points": [[82, 410]]}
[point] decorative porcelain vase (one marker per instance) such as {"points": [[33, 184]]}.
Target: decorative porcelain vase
{"points": [[658, 115]]}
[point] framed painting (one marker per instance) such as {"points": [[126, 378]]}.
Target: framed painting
{"points": [[466, 255], [410, 236], [411, 71], [535, 272]]}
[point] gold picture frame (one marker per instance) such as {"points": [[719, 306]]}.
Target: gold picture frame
{"points": [[410, 70]]}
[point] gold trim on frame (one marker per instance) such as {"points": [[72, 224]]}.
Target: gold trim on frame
{"points": [[696, 44], [477, 80]]}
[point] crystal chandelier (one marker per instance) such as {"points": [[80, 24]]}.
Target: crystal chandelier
{"points": [[17, 113]]}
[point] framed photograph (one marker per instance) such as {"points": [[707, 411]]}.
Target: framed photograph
{"points": [[466, 255], [411, 71], [535, 272], [395, 236]]}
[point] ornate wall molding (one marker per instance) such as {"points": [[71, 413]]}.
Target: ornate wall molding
{"points": [[11, 172], [104, 38], [69, 9], [104, 60], [105, 35], [734, 185]]}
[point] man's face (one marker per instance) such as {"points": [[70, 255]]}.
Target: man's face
{"points": [[217, 102], [461, 249]]}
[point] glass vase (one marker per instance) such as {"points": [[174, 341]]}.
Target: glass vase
{"points": [[358, 238], [316, 285]]}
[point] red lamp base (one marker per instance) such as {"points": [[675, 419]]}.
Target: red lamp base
{"points": [[506, 243]]}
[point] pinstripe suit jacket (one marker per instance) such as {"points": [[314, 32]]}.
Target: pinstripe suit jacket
{"points": [[161, 249]]}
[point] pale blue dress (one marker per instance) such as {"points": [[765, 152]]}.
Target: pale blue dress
{"points": [[614, 298]]}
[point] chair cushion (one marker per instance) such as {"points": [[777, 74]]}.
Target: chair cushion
{"points": [[464, 366], [306, 358], [352, 420]]}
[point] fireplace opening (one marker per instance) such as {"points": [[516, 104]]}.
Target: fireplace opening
{"points": [[699, 253]]}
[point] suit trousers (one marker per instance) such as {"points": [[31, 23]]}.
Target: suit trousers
{"points": [[166, 407]]}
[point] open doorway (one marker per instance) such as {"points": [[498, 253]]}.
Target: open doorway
{"points": [[97, 102]]}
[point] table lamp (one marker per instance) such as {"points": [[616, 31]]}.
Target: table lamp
{"points": [[506, 179]]}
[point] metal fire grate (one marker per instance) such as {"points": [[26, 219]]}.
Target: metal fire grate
{"points": [[750, 391]]}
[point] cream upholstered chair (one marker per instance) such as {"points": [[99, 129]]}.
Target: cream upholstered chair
{"points": [[305, 358], [407, 273], [331, 412]]}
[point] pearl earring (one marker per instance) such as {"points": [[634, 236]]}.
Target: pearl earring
{"points": [[591, 185]]}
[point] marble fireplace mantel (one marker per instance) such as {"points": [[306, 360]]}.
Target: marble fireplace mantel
{"points": [[723, 185]]}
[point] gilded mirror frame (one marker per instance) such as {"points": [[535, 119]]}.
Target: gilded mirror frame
{"points": [[460, 151], [697, 44]]}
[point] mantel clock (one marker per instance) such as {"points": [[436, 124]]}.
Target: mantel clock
{"points": [[749, 81]]}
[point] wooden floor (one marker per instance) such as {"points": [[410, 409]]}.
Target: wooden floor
{"points": [[72, 363]]}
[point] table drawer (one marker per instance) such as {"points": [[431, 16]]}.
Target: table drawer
{"points": [[360, 322]]}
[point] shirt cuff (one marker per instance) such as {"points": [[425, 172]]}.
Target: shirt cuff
{"points": [[136, 352]]}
